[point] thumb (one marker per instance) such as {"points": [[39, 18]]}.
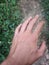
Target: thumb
{"points": [[42, 48]]}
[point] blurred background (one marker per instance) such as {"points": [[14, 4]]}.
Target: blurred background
{"points": [[10, 16]]}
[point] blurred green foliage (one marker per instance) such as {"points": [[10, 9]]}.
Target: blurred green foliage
{"points": [[10, 17], [45, 5]]}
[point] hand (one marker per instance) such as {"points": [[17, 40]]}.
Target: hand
{"points": [[24, 49]]}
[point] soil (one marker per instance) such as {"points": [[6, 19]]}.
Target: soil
{"points": [[31, 8]]}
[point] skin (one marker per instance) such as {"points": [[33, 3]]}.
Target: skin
{"points": [[24, 49]]}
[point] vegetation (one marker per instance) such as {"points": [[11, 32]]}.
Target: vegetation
{"points": [[45, 5], [10, 17]]}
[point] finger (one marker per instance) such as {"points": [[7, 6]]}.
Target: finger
{"points": [[42, 49], [18, 29], [24, 26], [38, 29], [39, 53], [14, 43], [31, 24]]}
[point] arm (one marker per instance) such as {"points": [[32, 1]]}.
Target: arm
{"points": [[24, 49]]}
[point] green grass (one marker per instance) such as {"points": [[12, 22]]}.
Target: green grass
{"points": [[10, 17]]}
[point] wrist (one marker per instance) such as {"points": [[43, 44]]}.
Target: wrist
{"points": [[9, 61], [12, 61]]}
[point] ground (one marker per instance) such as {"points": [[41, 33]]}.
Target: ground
{"points": [[31, 8]]}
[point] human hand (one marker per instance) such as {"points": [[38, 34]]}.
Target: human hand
{"points": [[24, 49]]}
